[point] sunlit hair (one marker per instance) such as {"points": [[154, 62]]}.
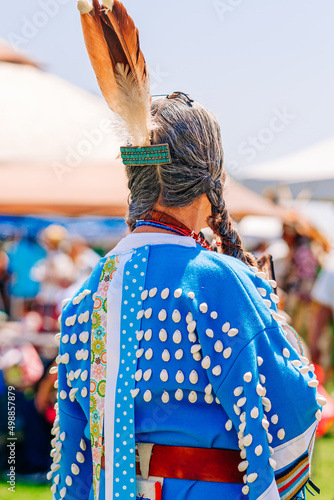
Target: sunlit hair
{"points": [[197, 167]]}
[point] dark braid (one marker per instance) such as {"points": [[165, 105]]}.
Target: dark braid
{"points": [[221, 224]]}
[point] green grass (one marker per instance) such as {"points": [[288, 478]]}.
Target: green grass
{"points": [[25, 492], [322, 476], [323, 467]]}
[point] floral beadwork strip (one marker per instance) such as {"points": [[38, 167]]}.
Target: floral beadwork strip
{"points": [[99, 367]]}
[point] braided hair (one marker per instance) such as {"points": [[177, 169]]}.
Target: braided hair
{"points": [[197, 168]]}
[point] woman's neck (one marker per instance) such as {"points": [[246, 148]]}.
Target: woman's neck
{"points": [[194, 216]]}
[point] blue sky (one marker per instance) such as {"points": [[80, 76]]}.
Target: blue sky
{"points": [[264, 67]]}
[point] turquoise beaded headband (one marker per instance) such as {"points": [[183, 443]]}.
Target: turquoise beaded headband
{"points": [[151, 155]]}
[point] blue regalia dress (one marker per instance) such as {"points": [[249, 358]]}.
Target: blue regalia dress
{"points": [[172, 344]]}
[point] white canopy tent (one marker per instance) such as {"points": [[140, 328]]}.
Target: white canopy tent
{"points": [[45, 119], [311, 164], [308, 173]]}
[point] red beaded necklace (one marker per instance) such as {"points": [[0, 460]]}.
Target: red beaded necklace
{"points": [[165, 221]]}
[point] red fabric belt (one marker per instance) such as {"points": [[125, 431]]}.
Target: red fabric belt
{"points": [[195, 464]]}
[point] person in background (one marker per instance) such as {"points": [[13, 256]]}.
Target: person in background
{"points": [[22, 368], [302, 266], [84, 260], [4, 283], [24, 253], [55, 273], [83, 257], [323, 298]]}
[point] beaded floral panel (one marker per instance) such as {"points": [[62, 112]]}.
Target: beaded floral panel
{"points": [[99, 367]]}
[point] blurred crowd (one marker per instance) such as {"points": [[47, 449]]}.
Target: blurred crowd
{"points": [[304, 271], [37, 274]]}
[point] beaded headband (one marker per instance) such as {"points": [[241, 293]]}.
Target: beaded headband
{"points": [[158, 154], [151, 155]]}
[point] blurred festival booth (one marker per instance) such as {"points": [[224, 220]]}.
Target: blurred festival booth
{"points": [[303, 180]]}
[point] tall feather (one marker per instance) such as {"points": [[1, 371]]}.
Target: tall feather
{"points": [[113, 46]]}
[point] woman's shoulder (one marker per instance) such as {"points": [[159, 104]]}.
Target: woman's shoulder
{"points": [[223, 280], [228, 283], [80, 305], [220, 266]]}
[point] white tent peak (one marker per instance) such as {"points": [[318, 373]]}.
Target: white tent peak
{"points": [[313, 163], [47, 119], [9, 55]]}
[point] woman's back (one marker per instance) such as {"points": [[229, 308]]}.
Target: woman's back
{"points": [[189, 340]]}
